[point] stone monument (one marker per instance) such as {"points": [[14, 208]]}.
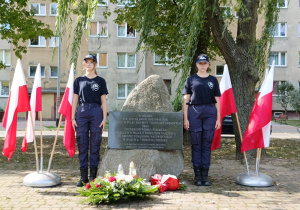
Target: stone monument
{"points": [[151, 95]]}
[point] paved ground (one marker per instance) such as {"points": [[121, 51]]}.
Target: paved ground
{"points": [[223, 194]]}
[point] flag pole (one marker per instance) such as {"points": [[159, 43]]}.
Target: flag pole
{"points": [[41, 127], [240, 132], [34, 141], [258, 156], [54, 144]]}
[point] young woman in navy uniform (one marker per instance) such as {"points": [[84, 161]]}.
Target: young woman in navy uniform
{"points": [[201, 110], [89, 117]]}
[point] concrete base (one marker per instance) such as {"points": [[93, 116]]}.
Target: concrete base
{"points": [[41, 179], [254, 180]]}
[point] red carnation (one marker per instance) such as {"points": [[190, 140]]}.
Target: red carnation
{"points": [[112, 179], [88, 186], [134, 176], [98, 186]]}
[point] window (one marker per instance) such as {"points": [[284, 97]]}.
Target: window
{"points": [[103, 3], [99, 29], [32, 70], [38, 42], [102, 60], [280, 30], [219, 70], [275, 83], [53, 72], [276, 114], [4, 86], [53, 9], [126, 60], [54, 41], [279, 57], [227, 11], [5, 57], [124, 30], [168, 84], [38, 9], [160, 59], [122, 3], [282, 4], [124, 90]]}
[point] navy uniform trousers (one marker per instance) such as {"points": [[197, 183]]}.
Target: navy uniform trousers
{"points": [[88, 133], [202, 121]]}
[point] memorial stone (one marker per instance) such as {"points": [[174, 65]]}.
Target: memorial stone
{"points": [[151, 95]]}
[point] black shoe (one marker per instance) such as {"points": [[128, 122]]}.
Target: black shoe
{"points": [[198, 176], [84, 177], [93, 173], [205, 181]]}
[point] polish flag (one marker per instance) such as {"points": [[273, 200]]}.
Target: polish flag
{"points": [[258, 131], [66, 110], [227, 105], [36, 106], [18, 101], [266, 74]]}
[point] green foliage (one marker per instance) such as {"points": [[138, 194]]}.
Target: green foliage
{"points": [[176, 29], [17, 25], [284, 91], [295, 100], [124, 188], [83, 11]]}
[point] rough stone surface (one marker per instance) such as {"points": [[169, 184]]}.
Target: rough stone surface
{"points": [[151, 95]]}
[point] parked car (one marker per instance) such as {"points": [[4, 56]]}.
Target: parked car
{"points": [[227, 125]]}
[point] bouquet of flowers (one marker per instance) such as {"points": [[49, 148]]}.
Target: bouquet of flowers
{"points": [[166, 182], [112, 188]]}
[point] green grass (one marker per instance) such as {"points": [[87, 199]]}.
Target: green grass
{"points": [[295, 123], [54, 128]]}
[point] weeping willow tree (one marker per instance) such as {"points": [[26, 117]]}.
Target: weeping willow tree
{"points": [[181, 29]]}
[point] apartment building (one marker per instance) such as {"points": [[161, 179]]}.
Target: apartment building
{"points": [[5, 57], [118, 62], [286, 51], [40, 50]]}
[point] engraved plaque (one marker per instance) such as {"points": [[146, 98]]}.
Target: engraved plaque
{"points": [[145, 130]]}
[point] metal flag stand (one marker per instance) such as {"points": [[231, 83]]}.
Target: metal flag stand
{"points": [[253, 179], [40, 178]]}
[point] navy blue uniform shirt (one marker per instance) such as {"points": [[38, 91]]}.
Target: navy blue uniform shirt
{"points": [[90, 90], [203, 90]]}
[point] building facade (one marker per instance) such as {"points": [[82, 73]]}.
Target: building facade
{"points": [[118, 62], [286, 51]]}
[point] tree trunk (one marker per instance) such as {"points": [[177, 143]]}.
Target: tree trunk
{"points": [[240, 58]]}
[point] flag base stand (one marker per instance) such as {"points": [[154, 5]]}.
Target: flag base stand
{"points": [[41, 179], [254, 180]]}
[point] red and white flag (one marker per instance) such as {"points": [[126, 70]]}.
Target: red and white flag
{"points": [[258, 131], [36, 106], [227, 105], [66, 110], [18, 101]]}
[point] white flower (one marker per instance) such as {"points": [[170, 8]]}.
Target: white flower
{"points": [[122, 191], [165, 177], [128, 178], [112, 184], [120, 177], [114, 190]]}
